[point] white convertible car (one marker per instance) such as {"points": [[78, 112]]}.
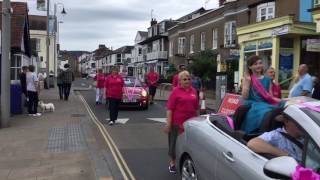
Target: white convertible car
{"points": [[209, 149]]}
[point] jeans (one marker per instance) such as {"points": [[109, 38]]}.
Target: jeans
{"points": [[33, 102], [60, 86], [66, 90], [114, 108], [99, 94]]}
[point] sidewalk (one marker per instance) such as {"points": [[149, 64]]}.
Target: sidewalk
{"points": [[58, 145], [164, 92]]}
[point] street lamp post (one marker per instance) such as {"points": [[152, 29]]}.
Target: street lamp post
{"points": [[5, 63]]}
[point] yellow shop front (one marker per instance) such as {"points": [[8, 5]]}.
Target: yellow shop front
{"points": [[281, 43]]}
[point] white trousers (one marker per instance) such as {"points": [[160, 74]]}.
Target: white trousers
{"points": [[99, 94]]}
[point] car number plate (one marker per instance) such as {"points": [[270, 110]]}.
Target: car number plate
{"points": [[129, 100]]}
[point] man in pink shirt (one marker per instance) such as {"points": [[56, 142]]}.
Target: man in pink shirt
{"points": [[99, 78], [183, 104], [175, 80], [114, 84], [152, 80]]}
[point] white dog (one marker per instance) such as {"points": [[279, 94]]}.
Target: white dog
{"points": [[46, 107]]}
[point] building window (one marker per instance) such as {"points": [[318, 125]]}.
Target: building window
{"points": [[181, 45], [15, 68], [316, 3], [150, 32], [230, 34], [214, 38], [203, 41], [192, 43], [118, 58], [265, 11], [162, 27], [170, 48], [140, 51]]}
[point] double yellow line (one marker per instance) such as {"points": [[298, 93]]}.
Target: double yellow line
{"points": [[121, 163]]}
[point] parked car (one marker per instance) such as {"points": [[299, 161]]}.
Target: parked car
{"points": [[134, 94], [209, 149]]}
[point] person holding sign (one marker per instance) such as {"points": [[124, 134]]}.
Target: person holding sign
{"points": [[257, 92], [113, 85]]}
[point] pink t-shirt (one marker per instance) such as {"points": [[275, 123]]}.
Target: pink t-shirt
{"points": [[276, 90], [184, 104], [100, 80], [175, 80], [114, 85], [152, 78]]}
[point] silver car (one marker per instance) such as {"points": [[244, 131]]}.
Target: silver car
{"points": [[207, 150]]}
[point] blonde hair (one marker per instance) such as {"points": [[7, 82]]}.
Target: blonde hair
{"points": [[183, 73]]}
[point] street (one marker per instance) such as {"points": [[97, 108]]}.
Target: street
{"points": [[138, 135]]}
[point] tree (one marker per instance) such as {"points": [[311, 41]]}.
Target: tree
{"points": [[171, 72], [204, 65]]}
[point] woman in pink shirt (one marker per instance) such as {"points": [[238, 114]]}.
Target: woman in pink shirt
{"points": [[100, 85], [275, 87], [183, 104], [113, 85]]}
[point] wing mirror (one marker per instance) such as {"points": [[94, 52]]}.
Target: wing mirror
{"points": [[280, 167]]}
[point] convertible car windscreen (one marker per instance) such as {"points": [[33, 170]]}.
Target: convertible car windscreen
{"points": [[132, 82]]}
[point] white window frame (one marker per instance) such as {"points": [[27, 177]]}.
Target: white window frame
{"points": [[316, 3], [230, 34], [202, 41], [15, 66], [181, 45], [171, 48], [269, 9], [215, 38], [192, 44]]}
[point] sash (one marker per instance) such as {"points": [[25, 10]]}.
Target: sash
{"points": [[256, 84]]}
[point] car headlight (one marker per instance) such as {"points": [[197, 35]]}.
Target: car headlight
{"points": [[144, 93]]}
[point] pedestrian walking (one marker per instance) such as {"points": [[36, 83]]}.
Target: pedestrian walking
{"points": [[113, 85], [67, 77], [275, 87], [60, 84], [303, 83], [32, 91], [175, 80], [196, 84], [152, 81], [23, 83], [99, 78], [183, 104]]}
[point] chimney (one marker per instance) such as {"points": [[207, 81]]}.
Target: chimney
{"points": [[102, 46], [153, 22], [221, 2]]}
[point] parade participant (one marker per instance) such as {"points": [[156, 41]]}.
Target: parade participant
{"points": [[275, 87], [23, 82], [285, 141], [114, 91], [182, 105], [196, 83], [175, 80], [60, 83], [303, 83], [67, 78], [152, 81], [256, 91], [99, 78], [32, 91]]}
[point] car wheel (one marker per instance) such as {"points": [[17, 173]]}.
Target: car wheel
{"points": [[188, 171]]}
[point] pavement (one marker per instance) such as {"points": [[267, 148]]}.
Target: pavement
{"points": [[58, 145]]}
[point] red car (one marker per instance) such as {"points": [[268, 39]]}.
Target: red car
{"points": [[134, 94]]}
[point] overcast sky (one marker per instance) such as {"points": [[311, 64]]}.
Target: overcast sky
{"points": [[114, 23]]}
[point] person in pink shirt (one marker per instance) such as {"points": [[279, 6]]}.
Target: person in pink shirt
{"points": [[175, 80], [275, 87], [152, 80], [99, 78], [183, 104], [114, 84]]}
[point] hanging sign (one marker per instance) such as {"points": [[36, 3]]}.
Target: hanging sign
{"points": [[313, 45]]}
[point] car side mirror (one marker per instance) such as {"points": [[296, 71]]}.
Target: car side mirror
{"points": [[280, 167]]}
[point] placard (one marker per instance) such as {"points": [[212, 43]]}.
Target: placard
{"points": [[229, 104]]}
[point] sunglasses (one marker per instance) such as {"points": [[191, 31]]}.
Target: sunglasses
{"points": [[185, 79]]}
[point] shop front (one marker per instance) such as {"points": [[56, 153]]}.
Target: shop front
{"points": [[280, 43]]}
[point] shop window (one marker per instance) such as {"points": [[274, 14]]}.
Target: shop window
{"points": [[230, 34], [192, 43], [203, 41], [265, 11], [285, 68], [214, 38], [181, 45], [15, 68], [286, 43]]}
